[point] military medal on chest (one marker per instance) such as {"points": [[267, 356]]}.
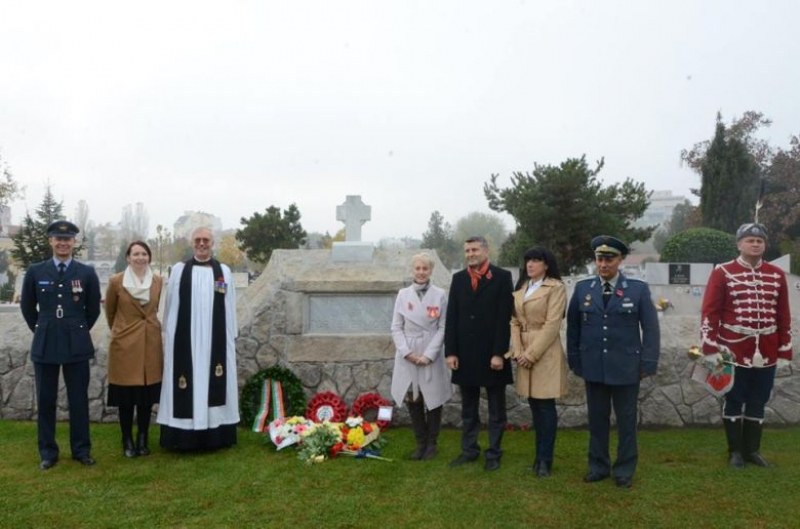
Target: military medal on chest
{"points": [[77, 288]]}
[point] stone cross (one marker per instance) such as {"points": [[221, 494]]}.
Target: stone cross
{"points": [[354, 213]]}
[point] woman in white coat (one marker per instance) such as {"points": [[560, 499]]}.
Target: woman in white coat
{"points": [[420, 378]]}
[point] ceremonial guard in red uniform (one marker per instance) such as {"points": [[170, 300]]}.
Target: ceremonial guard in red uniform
{"points": [[746, 313]]}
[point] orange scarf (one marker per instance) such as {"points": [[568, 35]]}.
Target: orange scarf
{"points": [[475, 274]]}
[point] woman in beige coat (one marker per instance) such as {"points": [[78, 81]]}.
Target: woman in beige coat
{"points": [[135, 357], [540, 301]]}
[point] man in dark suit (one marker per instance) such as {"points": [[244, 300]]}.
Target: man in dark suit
{"points": [[612, 342], [476, 337], [60, 302]]}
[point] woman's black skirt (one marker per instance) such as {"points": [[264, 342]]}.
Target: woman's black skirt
{"points": [[134, 395]]}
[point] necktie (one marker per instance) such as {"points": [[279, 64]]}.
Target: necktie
{"points": [[61, 268], [606, 293]]}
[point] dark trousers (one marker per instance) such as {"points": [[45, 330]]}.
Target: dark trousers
{"points": [[751, 390], [599, 399], [471, 422], [545, 423], [76, 380]]}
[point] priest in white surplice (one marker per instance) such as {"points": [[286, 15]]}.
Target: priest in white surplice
{"points": [[199, 407]]}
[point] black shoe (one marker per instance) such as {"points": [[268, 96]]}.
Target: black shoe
{"points": [[141, 445], [592, 477], [542, 469], [735, 460], [418, 453], [757, 459], [461, 460], [491, 464], [430, 452], [128, 449], [47, 464], [86, 461], [623, 482]]}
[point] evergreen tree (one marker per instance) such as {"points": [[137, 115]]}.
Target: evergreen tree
{"points": [[263, 233], [730, 182], [562, 207], [30, 243], [439, 237]]}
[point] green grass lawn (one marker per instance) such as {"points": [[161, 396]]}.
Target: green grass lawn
{"points": [[682, 481]]}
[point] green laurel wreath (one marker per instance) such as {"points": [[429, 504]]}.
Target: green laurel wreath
{"points": [[294, 397]]}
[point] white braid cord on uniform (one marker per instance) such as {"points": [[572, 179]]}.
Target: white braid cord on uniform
{"points": [[758, 358]]}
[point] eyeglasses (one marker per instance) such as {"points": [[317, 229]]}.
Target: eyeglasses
{"points": [[202, 239]]}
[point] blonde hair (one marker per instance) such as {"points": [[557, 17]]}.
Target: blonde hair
{"points": [[425, 258]]}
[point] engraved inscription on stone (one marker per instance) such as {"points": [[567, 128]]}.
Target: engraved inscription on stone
{"points": [[349, 314]]}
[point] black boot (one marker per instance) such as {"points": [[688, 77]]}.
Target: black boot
{"points": [[434, 426], [143, 420], [126, 425], [141, 444], [733, 431], [128, 448], [416, 410], [752, 443]]}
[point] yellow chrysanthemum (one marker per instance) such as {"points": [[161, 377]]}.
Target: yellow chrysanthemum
{"points": [[355, 437]]}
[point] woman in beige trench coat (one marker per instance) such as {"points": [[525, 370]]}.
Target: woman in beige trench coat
{"points": [[540, 301], [135, 356]]}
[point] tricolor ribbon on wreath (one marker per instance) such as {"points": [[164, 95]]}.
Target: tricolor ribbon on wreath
{"points": [[714, 372], [272, 391]]}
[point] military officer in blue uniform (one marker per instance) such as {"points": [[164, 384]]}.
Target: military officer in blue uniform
{"points": [[612, 343], [60, 302]]}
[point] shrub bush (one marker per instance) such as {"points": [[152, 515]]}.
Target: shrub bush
{"points": [[700, 245]]}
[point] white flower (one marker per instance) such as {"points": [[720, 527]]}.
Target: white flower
{"points": [[353, 422]]}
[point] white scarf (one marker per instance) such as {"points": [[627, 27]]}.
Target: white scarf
{"points": [[140, 290]]}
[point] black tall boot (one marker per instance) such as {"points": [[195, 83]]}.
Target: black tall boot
{"points": [[733, 431], [752, 443], [434, 426], [126, 425], [143, 422], [416, 410]]}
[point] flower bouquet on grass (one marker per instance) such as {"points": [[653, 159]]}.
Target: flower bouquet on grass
{"points": [[361, 439], [288, 431], [354, 437], [318, 442]]}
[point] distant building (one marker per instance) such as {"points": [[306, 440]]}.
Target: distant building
{"points": [[660, 209], [190, 220]]}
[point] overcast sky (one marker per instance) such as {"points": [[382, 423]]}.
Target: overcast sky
{"points": [[232, 106]]}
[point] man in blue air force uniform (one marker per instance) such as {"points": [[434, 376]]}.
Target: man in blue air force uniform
{"points": [[612, 342], [60, 302]]}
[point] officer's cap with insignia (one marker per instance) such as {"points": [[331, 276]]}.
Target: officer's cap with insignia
{"points": [[751, 229], [607, 246], [62, 228]]}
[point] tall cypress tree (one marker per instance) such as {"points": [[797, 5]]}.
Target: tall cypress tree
{"points": [[730, 181]]}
